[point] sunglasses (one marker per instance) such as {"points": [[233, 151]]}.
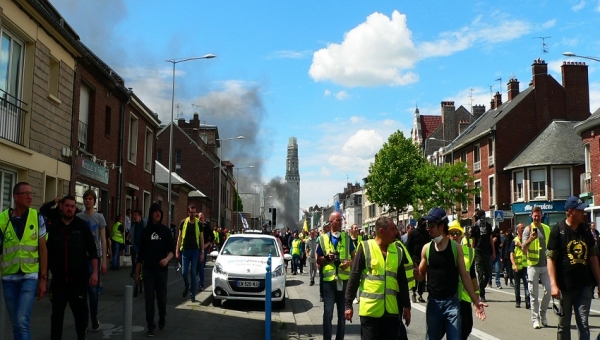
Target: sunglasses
{"points": [[432, 224], [455, 233], [557, 308]]}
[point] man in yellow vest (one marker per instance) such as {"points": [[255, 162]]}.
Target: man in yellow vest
{"points": [[190, 250], [456, 233], [384, 296], [335, 253], [24, 263], [295, 250], [534, 245], [117, 241], [519, 265]]}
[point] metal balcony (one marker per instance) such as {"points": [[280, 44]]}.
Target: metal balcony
{"points": [[12, 118], [477, 166]]}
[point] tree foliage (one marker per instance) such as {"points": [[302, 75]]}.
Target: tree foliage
{"points": [[238, 205], [392, 176]]}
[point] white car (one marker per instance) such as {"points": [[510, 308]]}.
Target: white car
{"points": [[241, 266]]}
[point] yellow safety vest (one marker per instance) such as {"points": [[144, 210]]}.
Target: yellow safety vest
{"points": [[184, 229], [533, 252], [117, 236], [520, 258], [409, 268], [329, 270], [20, 255], [216, 233], [296, 247], [469, 255], [380, 283]]}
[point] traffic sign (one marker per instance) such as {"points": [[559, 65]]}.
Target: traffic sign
{"points": [[509, 214], [499, 215]]}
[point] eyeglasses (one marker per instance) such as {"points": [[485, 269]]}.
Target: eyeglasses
{"points": [[26, 193], [432, 224], [455, 233]]}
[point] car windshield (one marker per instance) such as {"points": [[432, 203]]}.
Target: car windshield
{"points": [[245, 246]]}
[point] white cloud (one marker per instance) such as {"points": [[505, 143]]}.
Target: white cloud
{"points": [[289, 54], [594, 97], [327, 93], [342, 95], [579, 6], [379, 51], [549, 24], [598, 7], [570, 41]]}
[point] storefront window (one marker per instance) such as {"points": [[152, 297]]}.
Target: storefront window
{"points": [[554, 218], [7, 181]]}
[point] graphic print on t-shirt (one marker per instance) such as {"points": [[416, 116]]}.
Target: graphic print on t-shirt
{"points": [[154, 236], [577, 252]]}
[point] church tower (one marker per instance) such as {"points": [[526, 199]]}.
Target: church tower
{"points": [[292, 178]]}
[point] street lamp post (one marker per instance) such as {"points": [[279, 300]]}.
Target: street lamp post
{"points": [[237, 180], [220, 175], [571, 54], [175, 62]]}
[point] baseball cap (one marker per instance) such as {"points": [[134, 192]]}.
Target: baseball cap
{"points": [[436, 214], [575, 203]]}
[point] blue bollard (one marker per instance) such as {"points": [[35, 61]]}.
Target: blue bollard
{"points": [[268, 300]]}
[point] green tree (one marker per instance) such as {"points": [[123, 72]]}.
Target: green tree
{"points": [[238, 205], [391, 182], [448, 186]]}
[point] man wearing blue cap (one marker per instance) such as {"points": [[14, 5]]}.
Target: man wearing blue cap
{"points": [[443, 262], [573, 269]]}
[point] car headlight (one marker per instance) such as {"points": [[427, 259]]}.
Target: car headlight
{"points": [[219, 269], [280, 270]]}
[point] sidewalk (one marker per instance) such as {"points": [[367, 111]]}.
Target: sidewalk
{"points": [[184, 320]]}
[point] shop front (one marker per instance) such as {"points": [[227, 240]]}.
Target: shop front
{"points": [[95, 177], [554, 211]]}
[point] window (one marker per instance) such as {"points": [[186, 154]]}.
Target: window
{"points": [[476, 158], [133, 138], [561, 183], [372, 210], [84, 116], [11, 67], [178, 162], [53, 78], [537, 186], [7, 182], [518, 191], [159, 155], [491, 151], [148, 153], [477, 199], [491, 190], [463, 156], [107, 120]]}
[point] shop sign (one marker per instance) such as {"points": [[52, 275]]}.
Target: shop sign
{"points": [[92, 170], [545, 206]]}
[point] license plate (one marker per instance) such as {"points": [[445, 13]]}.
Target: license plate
{"points": [[248, 284]]}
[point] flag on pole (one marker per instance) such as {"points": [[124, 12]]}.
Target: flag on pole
{"points": [[244, 222], [305, 228]]}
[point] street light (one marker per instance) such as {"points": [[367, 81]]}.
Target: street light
{"points": [[220, 175], [571, 54], [446, 141], [237, 181], [175, 62]]}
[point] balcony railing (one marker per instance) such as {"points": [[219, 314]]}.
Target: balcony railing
{"points": [[585, 182], [477, 166], [11, 118], [491, 161], [82, 137], [517, 195]]}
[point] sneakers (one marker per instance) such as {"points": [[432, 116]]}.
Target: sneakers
{"points": [[355, 301], [414, 298], [544, 321], [527, 306], [420, 299], [536, 325], [161, 323], [185, 292], [95, 325], [312, 283], [518, 305], [150, 333], [499, 286]]}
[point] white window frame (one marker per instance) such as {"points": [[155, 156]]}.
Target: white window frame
{"points": [[514, 187], [8, 179], [475, 183], [564, 196], [476, 155], [14, 82], [491, 190], [530, 184], [148, 145], [491, 151], [133, 138], [84, 116]]}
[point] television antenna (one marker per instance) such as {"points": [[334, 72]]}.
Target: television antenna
{"points": [[544, 45]]}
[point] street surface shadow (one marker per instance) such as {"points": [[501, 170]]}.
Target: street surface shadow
{"points": [[247, 306], [292, 283]]}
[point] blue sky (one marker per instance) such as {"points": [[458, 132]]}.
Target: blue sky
{"points": [[340, 76]]}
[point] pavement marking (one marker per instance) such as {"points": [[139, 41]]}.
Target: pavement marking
{"points": [[475, 332], [513, 294]]}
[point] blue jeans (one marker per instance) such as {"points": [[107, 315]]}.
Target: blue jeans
{"points": [[334, 298], [443, 314], [497, 265], [19, 296], [201, 266], [116, 248], [91, 310], [189, 258], [295, 263], [578, 301]]}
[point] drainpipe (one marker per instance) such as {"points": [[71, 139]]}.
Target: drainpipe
{"points": [[121, 150]]}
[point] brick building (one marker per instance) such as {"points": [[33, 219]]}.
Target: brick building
{"points": [[36, 98], [493, 140], [589, 180]]}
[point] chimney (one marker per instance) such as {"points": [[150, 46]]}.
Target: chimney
{"points": [[539, 70], [492, 104], [195, 122], [181, 122], [577, 89], [543, 95], [497, 100], [513, 88], [478, 110], [448, 121], [462, 126]]}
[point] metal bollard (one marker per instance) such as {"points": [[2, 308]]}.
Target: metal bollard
{"points": [[127, 312], [268, 300]]}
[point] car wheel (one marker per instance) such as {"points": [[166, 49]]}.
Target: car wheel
{"points": [[216, 302], [280, 304]]}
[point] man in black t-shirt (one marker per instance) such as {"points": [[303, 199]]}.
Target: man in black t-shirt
{"points": [[481, 241], [573, 268], [415, 241]]}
